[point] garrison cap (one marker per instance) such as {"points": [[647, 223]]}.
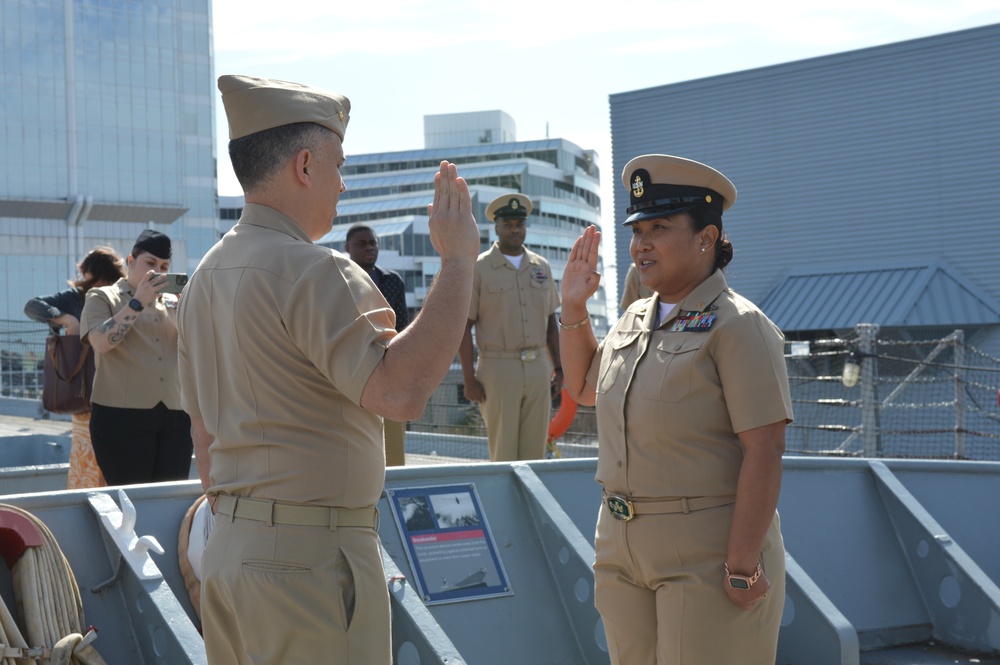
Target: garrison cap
{"points": [[508, 205], [664, 185], [255, 104], [154, 242]]}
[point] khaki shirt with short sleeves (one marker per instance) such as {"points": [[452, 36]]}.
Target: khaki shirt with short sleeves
{"points": [[511, 306], [141, 371], [670, 404], [278, 339]]}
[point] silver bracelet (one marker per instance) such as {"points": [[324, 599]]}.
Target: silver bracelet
{"points": [[574, 326]]}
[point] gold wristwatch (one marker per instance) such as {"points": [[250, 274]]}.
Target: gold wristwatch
{"points": [[742, 582]]}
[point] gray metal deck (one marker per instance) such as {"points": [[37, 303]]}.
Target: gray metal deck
{"points": [[890, 562]]}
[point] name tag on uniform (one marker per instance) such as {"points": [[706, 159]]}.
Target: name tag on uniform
{"points": [[693, 322]]}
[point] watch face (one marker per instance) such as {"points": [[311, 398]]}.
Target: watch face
{"points": [[739, 583]]}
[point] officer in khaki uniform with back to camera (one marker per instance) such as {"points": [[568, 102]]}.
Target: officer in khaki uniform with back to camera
{"points": [[514, 299], [289, 360], [692, 400]]}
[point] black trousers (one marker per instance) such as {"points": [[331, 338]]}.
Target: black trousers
{"points": [[141, 445]]}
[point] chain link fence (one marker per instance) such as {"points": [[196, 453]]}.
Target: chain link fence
{"points": [[933, 398], [879, 396]]}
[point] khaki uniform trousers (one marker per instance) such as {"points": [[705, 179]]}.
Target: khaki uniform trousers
{"points": [[518, 405], [395, 438], [658, 588], [294, 595]]}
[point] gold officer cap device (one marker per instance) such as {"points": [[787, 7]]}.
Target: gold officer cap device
{"points": [[508, 205], [664, 185]]}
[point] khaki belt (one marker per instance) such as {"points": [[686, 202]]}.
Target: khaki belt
{"points": [[265, 510], [623, 508], [526, 355]]}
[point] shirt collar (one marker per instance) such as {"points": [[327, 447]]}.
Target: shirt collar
{"points": [[498, 258], [255, 214], [696, 301]]}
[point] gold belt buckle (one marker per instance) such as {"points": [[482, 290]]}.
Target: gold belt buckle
{"points": [[528, 355], [620, 507]]}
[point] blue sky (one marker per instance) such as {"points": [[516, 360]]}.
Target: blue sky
{"points": [[550, 64]]}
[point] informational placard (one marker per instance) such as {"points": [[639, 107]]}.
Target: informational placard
{"points": [[448, 543]]}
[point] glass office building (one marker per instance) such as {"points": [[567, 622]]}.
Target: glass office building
{"points": [[108, 128]]}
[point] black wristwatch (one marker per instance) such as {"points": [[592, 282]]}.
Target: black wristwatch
{"points": [[136, 305]]}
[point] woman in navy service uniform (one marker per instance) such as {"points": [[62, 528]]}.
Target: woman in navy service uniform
{"points": [[692, 401]]}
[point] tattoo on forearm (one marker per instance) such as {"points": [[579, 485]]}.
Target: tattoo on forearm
{"points": [[119, 334]]}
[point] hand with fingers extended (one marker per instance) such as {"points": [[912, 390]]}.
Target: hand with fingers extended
{"points": [[580, 277], [453, 229]]}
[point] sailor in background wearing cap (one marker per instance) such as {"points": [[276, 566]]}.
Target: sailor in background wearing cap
{"points": [[139, 431], [514, 299], [361, 244], [289, 359], [692, 401]]}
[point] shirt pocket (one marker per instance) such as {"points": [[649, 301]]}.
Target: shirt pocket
{"points": [[619, 348], [676, 357], [502, 317]]}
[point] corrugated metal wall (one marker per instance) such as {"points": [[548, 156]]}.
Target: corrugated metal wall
{"points": [[888, 153]]}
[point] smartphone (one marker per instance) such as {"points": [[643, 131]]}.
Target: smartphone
{"points": [[175, 281]]}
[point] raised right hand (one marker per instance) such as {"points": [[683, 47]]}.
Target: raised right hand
{"points": [[580, 277], [453, 229]]}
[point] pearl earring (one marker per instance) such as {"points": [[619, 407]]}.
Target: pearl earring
{"points": [[703, 249]]}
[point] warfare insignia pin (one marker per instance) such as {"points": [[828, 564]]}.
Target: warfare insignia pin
{"points": [[637, 188], [539, 275]]}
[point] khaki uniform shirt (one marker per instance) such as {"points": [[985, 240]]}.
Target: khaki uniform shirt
{"points": [[142, 370], [278, 339], [511, 306], [670, 404]]}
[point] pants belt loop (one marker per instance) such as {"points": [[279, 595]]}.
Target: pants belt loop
{"points": [[270, 513], [684, 505], [333, 519], [232, 515], [378, 519]]}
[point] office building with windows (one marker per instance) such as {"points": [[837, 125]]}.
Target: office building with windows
{"points": [[390, 191], [107, 120]]}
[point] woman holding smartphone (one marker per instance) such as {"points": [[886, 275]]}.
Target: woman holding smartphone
{"points": [[139, 432]]}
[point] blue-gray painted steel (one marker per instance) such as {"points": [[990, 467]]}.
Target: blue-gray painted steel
{"points": [[881, 554], [926, 295]]}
